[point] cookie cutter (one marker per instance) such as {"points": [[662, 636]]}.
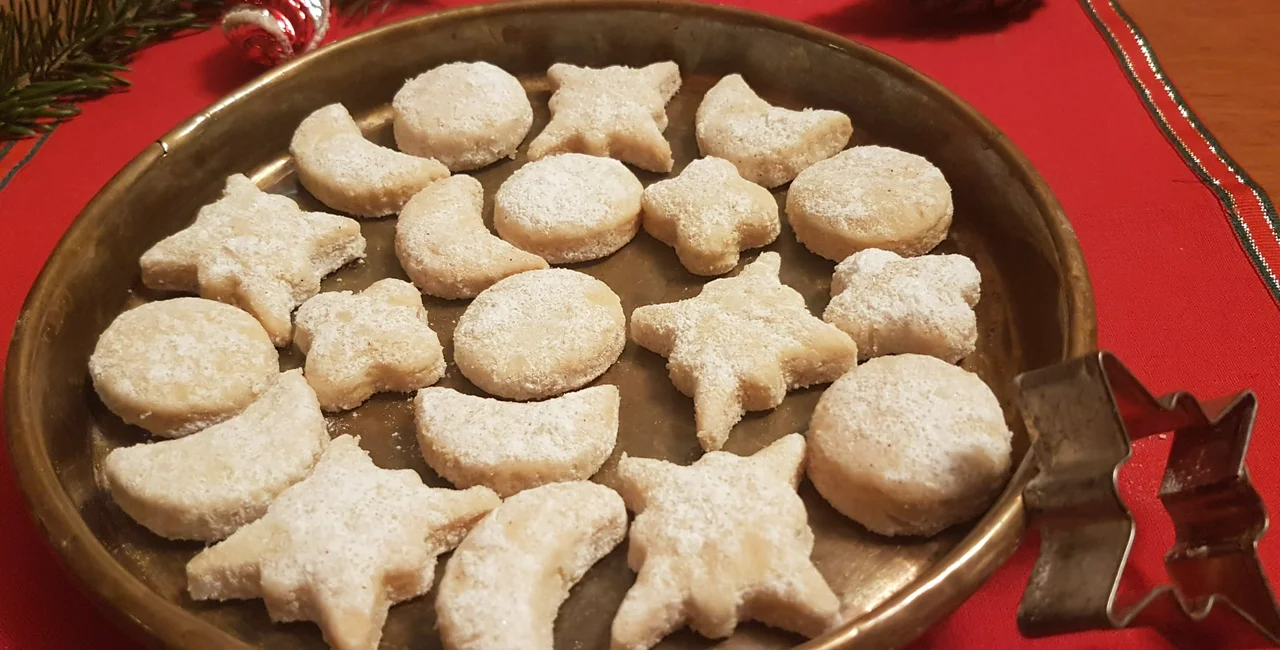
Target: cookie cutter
{"points": [[1082, 417]]}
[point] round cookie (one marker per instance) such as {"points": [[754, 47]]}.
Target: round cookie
{"points": [[870, 197], [569, 208], [909, 445], [177, 366], [539, 334], [466, 115]]}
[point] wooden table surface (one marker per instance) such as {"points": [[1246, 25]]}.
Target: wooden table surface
{"points": [[1224, 57]]}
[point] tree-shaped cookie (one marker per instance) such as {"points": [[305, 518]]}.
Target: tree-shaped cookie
{"points": [[254, 250], [724, 539], [740, 345], [895, 305], [342, 546], [614, 112], [710, 214], [358, 344]]}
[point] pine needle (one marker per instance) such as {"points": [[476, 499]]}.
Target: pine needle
{"points": [[61, 52]]}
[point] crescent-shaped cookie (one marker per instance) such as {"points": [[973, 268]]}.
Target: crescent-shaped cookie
{"points": [[349, 173], [505, 583], [510, 446], [444, 247], [208, 484]]}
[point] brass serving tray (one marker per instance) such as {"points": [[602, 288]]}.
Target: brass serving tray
{"points": [[1036, 308]]}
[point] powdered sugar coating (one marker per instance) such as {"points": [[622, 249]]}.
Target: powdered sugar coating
{"points": [[569, 208], [539, 334], [909, 445], [358, 344], [508, 446], [174, 367], [464, 114], [615, 112], [709, 214], [503, 586], [769, 145], [347, 172], [740, 345], [210, 483], [724, 539], [892, 305], [444, 247], [254, 250], [342, 546], [870, 197]]}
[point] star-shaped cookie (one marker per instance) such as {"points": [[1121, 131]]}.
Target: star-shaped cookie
{"points": [[710, 214], [890, 304], [614, 112], [342, 546], [740, 345], [358, 344], [721, 540], [254, 250]]}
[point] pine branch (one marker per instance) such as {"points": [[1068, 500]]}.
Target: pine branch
{"points": [[61, 52]]}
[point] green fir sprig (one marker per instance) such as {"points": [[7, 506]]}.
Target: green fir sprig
{"points": [[56, 53]]}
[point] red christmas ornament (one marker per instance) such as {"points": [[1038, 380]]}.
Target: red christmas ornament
{"points": [[272, 31]]}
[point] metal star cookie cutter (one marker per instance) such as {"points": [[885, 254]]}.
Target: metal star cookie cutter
{"points": [[1082, 416]]}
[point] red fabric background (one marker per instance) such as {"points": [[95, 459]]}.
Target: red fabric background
{"points": [[1177, 298]]}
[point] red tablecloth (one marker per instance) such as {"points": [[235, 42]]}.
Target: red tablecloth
{"points": [[1178, 294]]}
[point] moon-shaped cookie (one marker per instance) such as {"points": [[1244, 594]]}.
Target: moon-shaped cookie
{"points": [[506, 581], [509, 446], [349, 173], [208, 484]]}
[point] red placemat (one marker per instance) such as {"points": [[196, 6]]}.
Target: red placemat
{"points": [[1179, 265]]}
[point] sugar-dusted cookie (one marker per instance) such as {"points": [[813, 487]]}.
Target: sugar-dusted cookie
{"points": [[768, 144], [617, 112], [508, 446], [539, 334], [710, 214], [210, 483], [870, 197], [358, 344], [254, 250], [174, 367], [342, 546], [504, 585], [722, 540], [465, 115], [349, 173], [569, 208], [893, 305], [909, 445], [740, 345], [444, 247]]}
